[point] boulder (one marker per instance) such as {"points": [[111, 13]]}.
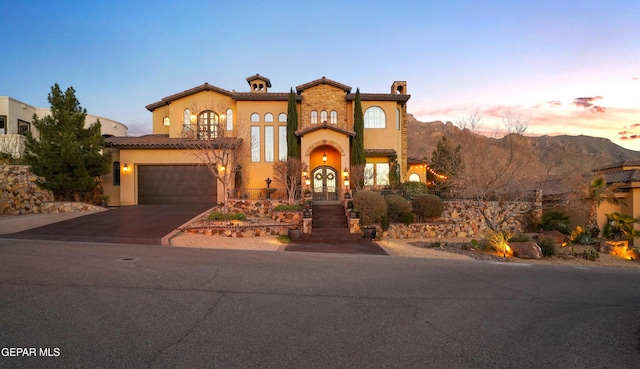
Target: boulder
{"points": [[607, 246], [526, 250], [556, 236]]}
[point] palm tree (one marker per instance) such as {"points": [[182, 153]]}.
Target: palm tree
{"points": [[598, 192]]}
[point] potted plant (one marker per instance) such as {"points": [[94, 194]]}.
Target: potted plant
{"points": [[104, 200], [295, 233]]}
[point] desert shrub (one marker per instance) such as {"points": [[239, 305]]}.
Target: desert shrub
{"points": [[427, 206], [411, 189], [580, 236], [547, 246], [371, 206], [216, 215], [284, 238], [555, 220], [590, 253], [520, 237], [396, 205], [288, 207], [407, 218], [498, 240]]}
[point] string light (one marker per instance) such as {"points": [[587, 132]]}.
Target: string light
{"points": [[435, 174]]}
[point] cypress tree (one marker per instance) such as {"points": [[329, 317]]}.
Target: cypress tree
{"points": [[292, 126], [66, 155], [357, 147]]}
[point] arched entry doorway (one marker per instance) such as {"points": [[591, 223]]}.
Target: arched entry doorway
{"points": [[325, 183]]}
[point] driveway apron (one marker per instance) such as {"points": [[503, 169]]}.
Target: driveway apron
{"points": [[139, 224]]}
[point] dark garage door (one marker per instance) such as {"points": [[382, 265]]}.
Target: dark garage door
{"points": [[176, 184]]}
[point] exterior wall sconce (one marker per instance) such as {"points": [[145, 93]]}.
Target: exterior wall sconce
{"points": [[345, 173], [125, 168], [346, 183], [324, 158], [193, 118]]}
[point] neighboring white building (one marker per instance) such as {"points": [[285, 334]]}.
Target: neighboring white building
{"points": [[16, 117]]}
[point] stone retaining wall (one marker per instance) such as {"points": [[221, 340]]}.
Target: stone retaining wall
{"points": [[19, 193], [460, 219], [255, 207]]}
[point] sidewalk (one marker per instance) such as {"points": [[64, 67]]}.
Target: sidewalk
{"points": [[17, 223]]}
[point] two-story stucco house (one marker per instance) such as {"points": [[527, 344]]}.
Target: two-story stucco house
{"points": [[157, 168]]}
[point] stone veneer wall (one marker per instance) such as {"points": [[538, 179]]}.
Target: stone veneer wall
{"points": [[20, 194], [260, 208], [459, 219]]}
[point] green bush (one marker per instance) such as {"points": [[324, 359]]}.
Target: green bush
{"points": [[385, 222], [287, 207], [371, 205], [427, 206], [547, 246], [216, 215], [555, 220], [411, 189], [396, 206], [284, 238], [406, 218], [580, 236]]}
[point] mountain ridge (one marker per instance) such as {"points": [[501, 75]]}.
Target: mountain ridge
{"points": [[584, 153]]}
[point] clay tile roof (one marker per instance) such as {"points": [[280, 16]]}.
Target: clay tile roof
{"points": [[163, 141], [205, 87], [323, 81], [258, 76], [415, 161], [379, 152], [403, 98], [332, 127], [620, 164], [261, 96], [623, 176]]}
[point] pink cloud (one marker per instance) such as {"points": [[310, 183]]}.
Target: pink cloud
{"points": [[630, 132]]}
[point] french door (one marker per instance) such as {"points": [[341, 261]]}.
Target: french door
{"points": [[325, 181]]}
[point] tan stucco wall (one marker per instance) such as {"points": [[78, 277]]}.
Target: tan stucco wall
{"points": [[134, 158]]}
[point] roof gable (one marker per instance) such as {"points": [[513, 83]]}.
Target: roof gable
{"points": [[317, 127], [204, 87], [323, 81]]}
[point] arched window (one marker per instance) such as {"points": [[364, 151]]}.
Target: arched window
{"points": [[334, 117], [255, 117], [187, 118], [116, 173], [268, 117], [166, 122], [374, 117], [323, 117], [229, 120], [208, 125], [314, 117], [398, 119], [282, 118], [414, 177]]}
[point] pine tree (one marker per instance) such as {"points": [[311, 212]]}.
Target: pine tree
{"points": [[447, 160], [357, 147], [292, 126], [66, 155]]}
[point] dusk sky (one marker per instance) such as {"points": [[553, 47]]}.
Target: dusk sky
{"points": [[568, 67]]}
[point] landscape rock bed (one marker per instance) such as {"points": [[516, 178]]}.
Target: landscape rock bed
{"points": [[461, 249]]}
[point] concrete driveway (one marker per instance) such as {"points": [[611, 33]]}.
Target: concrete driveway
{"points": [[140, 224]]}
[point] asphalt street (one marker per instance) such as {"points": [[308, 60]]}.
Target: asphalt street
{"points": [[92, 305]]}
